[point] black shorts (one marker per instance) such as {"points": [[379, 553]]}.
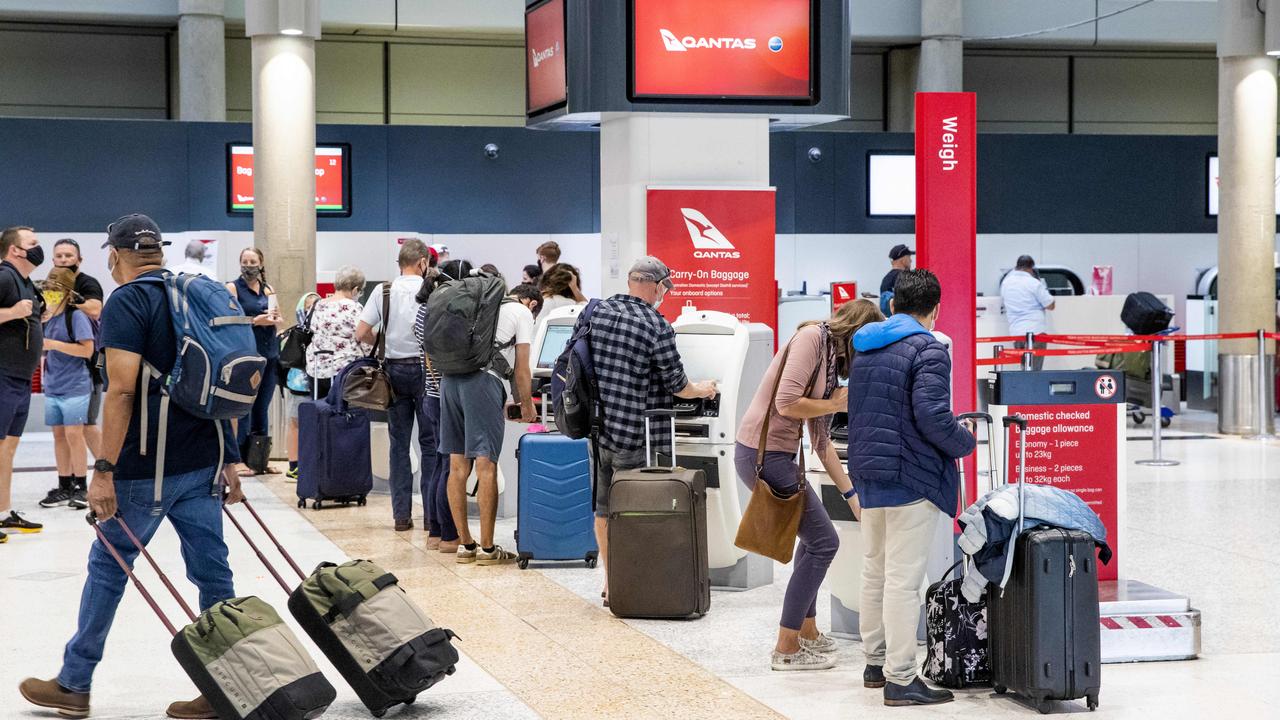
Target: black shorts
{"points": [[15, 403]]}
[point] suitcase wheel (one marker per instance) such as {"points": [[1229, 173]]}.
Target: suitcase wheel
{"points": [[378, 713], [361, 502], [411, 700], [1000, 689], [591, 560], [1044, 706], [316, 505], [1092, 702], [523, 563], [302, 503]]}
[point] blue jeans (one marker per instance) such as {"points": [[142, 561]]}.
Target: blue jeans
{"points": [[435, 477], [406, 381], [196, 515], [258, 422]]}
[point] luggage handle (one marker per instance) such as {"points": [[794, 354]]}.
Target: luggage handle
{"points": [[92, 519], [1009, 421], [650, 456], [971, 419], [257, 551]]}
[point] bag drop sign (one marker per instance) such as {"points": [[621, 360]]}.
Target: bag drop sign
{"points": [[719, 245]]}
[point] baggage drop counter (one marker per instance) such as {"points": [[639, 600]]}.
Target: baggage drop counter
{"points": [[1076, 442]]}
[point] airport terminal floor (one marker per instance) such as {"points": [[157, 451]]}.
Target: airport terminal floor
{"points": [[537, 643]]}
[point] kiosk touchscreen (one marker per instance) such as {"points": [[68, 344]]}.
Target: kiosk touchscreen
{"points": [[553, 342]]}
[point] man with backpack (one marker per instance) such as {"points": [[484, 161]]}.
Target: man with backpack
{"points": [[141, 341], [478, 337]]}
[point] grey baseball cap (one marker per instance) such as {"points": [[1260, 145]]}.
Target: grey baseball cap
{"points": [[652, 269]]}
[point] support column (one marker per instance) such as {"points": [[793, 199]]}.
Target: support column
{"points": [[202, 61], [1247, 213], [284, 140], [941, 46]]}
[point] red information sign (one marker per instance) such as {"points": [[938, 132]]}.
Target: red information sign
{"points": [[330, 183], [946, 229], [721, 49], [545, 79], [1073, 447], [843, 292], [719, 246]]}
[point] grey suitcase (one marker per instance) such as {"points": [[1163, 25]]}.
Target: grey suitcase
{"points": [[658, 539]]}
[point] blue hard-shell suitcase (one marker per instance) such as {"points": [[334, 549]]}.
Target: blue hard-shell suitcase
{"points": [[554, 520], [334, 461]]}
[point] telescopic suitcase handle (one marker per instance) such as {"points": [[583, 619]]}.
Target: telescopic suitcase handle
{"points": [[651, 457], [92, 519], [1021, 422]]}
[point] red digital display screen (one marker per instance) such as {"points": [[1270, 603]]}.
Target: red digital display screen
{"points": [[722, 49], [546, 84], [332, 190]]}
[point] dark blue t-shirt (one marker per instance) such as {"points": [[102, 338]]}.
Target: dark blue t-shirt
{"points": [[136, 319], [66, 375], [255, 304]]}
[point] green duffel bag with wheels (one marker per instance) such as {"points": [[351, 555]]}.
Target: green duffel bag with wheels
{"points": [[250, 665], [381, 642]]}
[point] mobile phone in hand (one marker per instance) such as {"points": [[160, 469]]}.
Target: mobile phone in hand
{"points": [[514, 412]]}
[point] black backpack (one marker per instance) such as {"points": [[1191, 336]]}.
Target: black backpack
{"points": [[461, 324], [95, 361], [575, 395]]}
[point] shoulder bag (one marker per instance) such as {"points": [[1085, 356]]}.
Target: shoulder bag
{"points": [[367, 385]]}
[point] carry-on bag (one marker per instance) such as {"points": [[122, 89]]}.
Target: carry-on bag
{"points": [[257, 452], [657, 560], [1145, 314], [555, 513], [378, 639], [334, 456], [241, 656], [956, 644], [1044, 625]]}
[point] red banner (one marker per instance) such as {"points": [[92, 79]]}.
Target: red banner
{"points": [[1073, 447], [719, 246], [545, 78], [843, 292], [946, 228]]}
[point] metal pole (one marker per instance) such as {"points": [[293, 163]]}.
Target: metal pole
{"points": [[1261, 411], [1026, 356], [1157, 400]]}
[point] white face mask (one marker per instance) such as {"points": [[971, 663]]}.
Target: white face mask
{"points": [[657, 304], [111, 266]]}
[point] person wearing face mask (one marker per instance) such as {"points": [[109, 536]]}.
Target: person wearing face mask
{"points": [[21, 342], [257, 299], [89, 296], [68, 345], [638, 368], [903, 444]]}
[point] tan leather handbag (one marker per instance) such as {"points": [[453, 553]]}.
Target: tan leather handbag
{"points": [[771, 521], [369, 386]]}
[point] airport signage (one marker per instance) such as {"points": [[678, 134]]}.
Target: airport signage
{"points": [[722, 49], [719, 245], [332, 188], [843, 292], [546, 82]]}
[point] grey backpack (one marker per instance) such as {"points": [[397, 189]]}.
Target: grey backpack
{"points": [[461, 325]]}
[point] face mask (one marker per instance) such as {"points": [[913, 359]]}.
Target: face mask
{"points": [[251, 272], [54, 298], [657, 304], [35, 255], [74, 268]]}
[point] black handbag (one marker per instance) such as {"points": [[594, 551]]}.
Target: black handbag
{"points": [[294, 342], [257, 452]]}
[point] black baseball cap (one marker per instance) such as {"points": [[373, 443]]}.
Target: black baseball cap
{"points": [[900, 251], [134, 232]]}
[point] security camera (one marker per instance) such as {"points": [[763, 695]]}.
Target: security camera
{"points": [[491, 151], [815, 155]]}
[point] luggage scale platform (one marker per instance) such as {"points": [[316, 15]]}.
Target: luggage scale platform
{"points": [[1143, 623]]}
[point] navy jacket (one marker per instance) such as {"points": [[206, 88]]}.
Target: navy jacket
{"points": [[903, 437]]}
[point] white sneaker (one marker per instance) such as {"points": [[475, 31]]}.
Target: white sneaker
{"points": [[823, 644], [802, 659], [465, 556], [497, 557]]}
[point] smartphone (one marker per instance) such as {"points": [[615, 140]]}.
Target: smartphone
{"points": [[514, 412]]}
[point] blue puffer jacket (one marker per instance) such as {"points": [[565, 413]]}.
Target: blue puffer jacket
{"points": [[903, 437]]}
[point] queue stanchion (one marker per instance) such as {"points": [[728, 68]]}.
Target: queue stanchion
{"points": [[1027, 356], [1260, 412], [1157, 401]]}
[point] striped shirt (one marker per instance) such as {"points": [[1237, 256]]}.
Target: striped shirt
{"points": [[430, 378], [633, 351]]}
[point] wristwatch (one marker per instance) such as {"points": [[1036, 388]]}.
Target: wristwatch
{"points": [[847, 495], [104, 466]]}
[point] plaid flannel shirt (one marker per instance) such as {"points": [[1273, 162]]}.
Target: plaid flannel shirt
{"points": [[637, 366]]}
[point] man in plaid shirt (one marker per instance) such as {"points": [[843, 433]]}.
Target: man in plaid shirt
{"points": [[637, 366]]}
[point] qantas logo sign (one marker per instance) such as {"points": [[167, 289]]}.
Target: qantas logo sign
{"points": [[689, 42], [708, 241]]}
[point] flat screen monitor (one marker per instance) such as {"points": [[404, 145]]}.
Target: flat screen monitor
{"points": [[546, 82], [891, 184], [1214, 179], [553, 344], [333, 179], [723, 50]]}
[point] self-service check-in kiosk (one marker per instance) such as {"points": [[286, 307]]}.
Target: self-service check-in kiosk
{"points": [[717, 346], [1076, 441]]}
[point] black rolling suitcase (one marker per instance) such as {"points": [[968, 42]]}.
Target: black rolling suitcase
{"points": [[657, 560], [1044, 626], [1144, 314]]}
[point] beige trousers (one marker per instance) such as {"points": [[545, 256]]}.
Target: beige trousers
{"points": [[895, 544]]}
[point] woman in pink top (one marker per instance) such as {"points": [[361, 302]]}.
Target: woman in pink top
{"points": [[819, 356]]}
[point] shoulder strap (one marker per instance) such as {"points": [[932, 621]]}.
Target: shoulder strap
{"points": [[773, 400], [380, 345], [71, 327]]}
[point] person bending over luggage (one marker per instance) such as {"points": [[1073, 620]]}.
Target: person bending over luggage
{"points": [[136, 328], [473, 415], [903, 442], [637, 366], [68, 344], [806, 375], [257, 299], [404, 366]]}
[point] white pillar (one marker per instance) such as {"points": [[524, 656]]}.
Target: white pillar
{"points": [[1247, 211], [202, 61], [284, 140]]}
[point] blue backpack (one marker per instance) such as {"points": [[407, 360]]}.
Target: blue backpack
{"points": [[218, 370], [575, 396]]}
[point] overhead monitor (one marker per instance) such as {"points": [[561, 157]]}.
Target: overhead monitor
{"points": [[1214, 180], [723, 50], [553, 344], [333, 179], [891, 184], [546, 82]]}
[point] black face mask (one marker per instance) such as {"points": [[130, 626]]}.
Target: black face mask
{"points": [[35, 255], [74, 268]]}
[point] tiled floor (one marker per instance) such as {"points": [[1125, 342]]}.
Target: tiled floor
{"points": [[538, 642]]}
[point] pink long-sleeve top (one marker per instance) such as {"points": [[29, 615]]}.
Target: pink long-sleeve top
{"points": [[807, 354]]}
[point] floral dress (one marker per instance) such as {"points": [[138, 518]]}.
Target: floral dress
{"points": [[333, 341]]}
